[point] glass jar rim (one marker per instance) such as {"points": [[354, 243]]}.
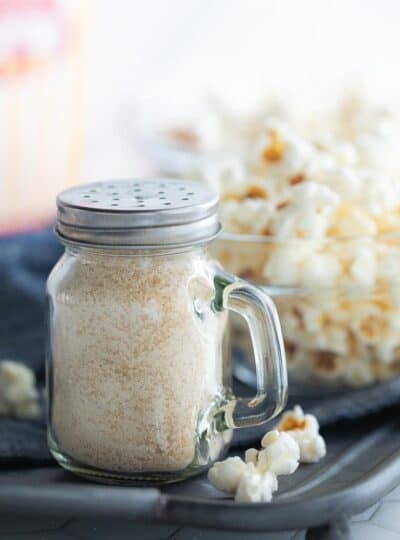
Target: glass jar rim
{"points": [[268, 239], [129, 250]]}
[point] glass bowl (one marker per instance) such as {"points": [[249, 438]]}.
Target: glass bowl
{"points": [[338, 301], [165, 155]]}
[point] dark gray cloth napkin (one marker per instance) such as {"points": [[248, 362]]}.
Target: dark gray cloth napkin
{"points": [[25, 262], [23, 442]]}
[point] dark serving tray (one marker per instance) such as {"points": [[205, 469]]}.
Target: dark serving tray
{"points": [[362, 465]]}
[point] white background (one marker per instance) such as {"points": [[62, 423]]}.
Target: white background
{"points": [[160, 57]]}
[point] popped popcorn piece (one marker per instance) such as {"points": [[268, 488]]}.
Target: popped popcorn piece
{"points": [[292, 326], [235, 259], [255, 479], [369, 323], [323, 268], [299, 223], [312, 447], [304, 429], [18, 394], [351, 220], [326, 364], [226, 173], [279, 144], [255, 487], [280, 453], [314, 196], [296, 420], [335, 338], [308, 213], [344, 154], [379, 193], [219, 127], [379, 151], [344, 181], [388, 263], [389, 222], [252, 216], [225, 475], [281, 158], [314, 319], [360, 371], [386, 350], [273, 146], [284, 264], [246, 480], [251, 456], [363, 267]]}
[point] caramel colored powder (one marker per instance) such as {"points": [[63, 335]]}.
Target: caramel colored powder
{"points": [[136, 358]]}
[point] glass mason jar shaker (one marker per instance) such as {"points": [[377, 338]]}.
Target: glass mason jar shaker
{"points": [[138, 377]]}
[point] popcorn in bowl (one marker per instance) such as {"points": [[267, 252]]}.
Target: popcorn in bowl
{"points": [[316, 220]]}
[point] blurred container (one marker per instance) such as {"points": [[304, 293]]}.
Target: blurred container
{"points": [[41, 97]]}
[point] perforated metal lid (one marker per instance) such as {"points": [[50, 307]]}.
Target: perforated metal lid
{"points": [[138, 213]]}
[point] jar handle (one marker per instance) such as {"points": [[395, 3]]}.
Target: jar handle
{"points": [[261, 316]]}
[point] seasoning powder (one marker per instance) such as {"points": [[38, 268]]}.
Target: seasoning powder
{"points": [[136, 358]]}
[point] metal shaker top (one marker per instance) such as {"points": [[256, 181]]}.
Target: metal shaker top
{"points": [[156, 213]]}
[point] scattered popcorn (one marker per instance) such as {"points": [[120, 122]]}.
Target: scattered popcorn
{"points": [[225, 475], [248, 481], [255, 479], [312, 448], [255, 487], [18, 394], [280, 455], [304, 429]]}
